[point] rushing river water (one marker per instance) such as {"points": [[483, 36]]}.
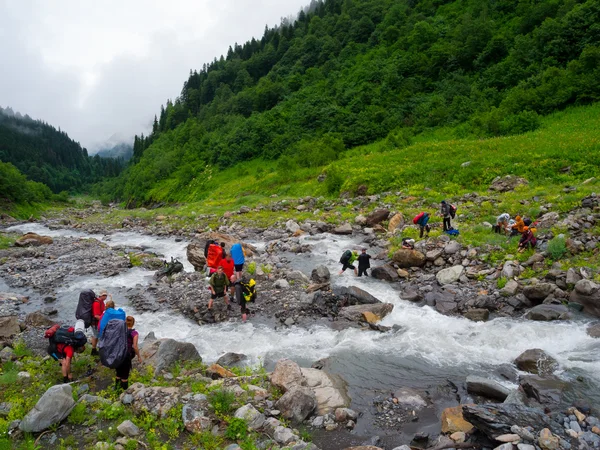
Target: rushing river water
{"points": [[425, 351]]}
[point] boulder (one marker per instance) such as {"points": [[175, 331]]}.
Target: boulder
{"points": [[511, 269], [396, 222], [434, 254], [507, 183], [410, 399], [253, 418], [486, 388], [452, 247], [286, 375], [587, 293], [345, 228], [539, 291], [163, 353], [510, 288], [594, 330], [153, 399], [449, 275], [215, 371], [320, 274], [33, 240], [453, 421], [128, 428], [355, 295], [52, 408], [297, 404], [231, 359], [195, 255], [281, 284], [536, 361], [356, 313], [546, 313], [377, 216], [37, 319], [330, 390], [9, 326], [194, 420], [292, 226], [385, 272], [478, 315], [543, 390], [406, 258], [360, 220]]}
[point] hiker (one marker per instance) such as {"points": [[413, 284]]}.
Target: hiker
{"points": [[109, 304], [218, 287], [63, 344], [228, 266], [363, 263], [422, 220], [408, 243], [527, 240], [348, 257], [445, 212], [502, 223], [215, 254], [239, 258], [110, 313], [244, 294], [223, 252], [122, 377], [518, 227], [98, 308]]}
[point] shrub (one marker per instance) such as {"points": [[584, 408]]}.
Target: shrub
{"points": [[222, 401], [78, 414], [237, 429], [557, 247], [251, 268], [501, 282], [334, 181]]}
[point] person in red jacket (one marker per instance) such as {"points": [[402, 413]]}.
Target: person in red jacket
{"points": [[97, 311], [64, 354]]}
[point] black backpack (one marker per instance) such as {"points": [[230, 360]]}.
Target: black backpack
{"points": [[452, 210], [346, 257], [64, 335], [84, 307], [113, 346]]}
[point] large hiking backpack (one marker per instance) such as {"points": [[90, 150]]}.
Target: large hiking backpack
{"points": [[418, 218], [214, 255], [249, 291], [109, 314], [208, 244], [84, 307], [346, 257], [113, 344], [452, 211], [64, 334]]}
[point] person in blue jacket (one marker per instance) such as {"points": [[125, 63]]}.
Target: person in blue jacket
{"points": [[423, 224], [237, 253]]}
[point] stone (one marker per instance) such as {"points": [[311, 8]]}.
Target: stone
{"points": [[216, 371], [434, 254], [281, 284], [587, 293], [377, 216], [547, 441], [543, 390], [9, 326], [506, 446], [478, 315], [164, 353], [539, 291], [320, 274], [360, 220], [231, 359], [572, 277], [356, 313], [286, 375], [253, 418], [402, 273], [292, 226], [536, 361], [297, 404], [453, 421], [511, 269], [330, 390], [195, 255], [345, 414], [355, 295], [449, 275], [594, 330], [195, 421], [343, 229], [548, 219], [523, 433], [546, 313], [406, 258], [396, 222], [33, 240], [7, 354], [37, 319], [486, 387], [452, 247], [507, 183], [510, 288], [516, 397], [52, 408], [508, 438], [459, 437], [283, 435], [385, 272], [128, 428], [410, 398]]}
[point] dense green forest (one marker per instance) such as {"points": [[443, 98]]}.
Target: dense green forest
{"points": [[47, 155], [348, 73]]}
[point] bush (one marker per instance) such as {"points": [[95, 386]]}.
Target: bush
{"points": [[520, 123], [251, 268], [237, 429], [222, 401], [557, 247], [501, 282], [334, 181]]}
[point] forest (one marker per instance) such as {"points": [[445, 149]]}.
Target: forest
{"points": [[347, 73]]}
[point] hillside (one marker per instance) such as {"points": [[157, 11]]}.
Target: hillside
{"points": [[348, 74], [121, 151], [47, 155]]}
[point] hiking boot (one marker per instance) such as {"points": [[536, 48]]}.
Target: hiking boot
{"points": [[94, 352]]}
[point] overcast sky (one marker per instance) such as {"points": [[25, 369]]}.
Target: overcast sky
{"points": [[99, 68]]}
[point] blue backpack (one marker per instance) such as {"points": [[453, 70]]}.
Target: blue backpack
{"points": [[110, 314], [452, 232]]}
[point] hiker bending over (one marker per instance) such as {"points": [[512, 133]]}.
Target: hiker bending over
{"points": [[422, 220], [527, 240], [363, 263], [122, 378], [502, 223], [98, 308], [63, 353], [347, 259], [218, 287], [445, 212], [518, 227], [245, 293]]}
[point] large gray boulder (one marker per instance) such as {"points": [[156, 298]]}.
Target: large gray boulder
{"points": [[330, 390], [487, 388], [345, 228], [377, 216], [52, 408], [297, 404], [547, 313], [536, 361], [161, 354], [449, 275], [385, 272], [253, 418], [587, 293], [539, 291], [320, 274], [355, 295], [9, 326], [406, 258], [543, 390], [286, 375], [231, 359], [356, 313], [195, 255]]}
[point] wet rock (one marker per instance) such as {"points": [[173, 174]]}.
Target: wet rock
{"points": [[195, 255], [507, 183], [538, 291], [33, 240], [406, 258], [343, 229], [297, 404], [587, 293], [357, 313], [253, 418], [355, 295], [385, 272], [536, 361], [320, 274], [454, 421], [486, 387], [53, 407], [37, 319], [9, 326], [377, 216], [410, 399], [286, 375], [231, 359], [547, 313], [477, 315], [449, 275], [330, 390], [163, 353], [128, 428], [594, 330], [543, 390]]}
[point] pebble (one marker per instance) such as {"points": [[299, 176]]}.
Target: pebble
{"points": [[525, 447], [524, 433], [572, 433], [508, 438], [574, 426], [596, 430], [127, 399], [458, 437]]}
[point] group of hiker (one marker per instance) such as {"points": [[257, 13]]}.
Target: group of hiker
{"points": [[114, 339], [515, 227], [226, 276]]}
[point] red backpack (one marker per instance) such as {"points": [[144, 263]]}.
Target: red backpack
{"points": [[418, 217]]}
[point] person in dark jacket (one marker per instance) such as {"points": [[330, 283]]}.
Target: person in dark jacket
{"points": [[363, 263], [528, 240], [445, 213]]}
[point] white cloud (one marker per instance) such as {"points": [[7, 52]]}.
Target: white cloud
{"points": [[99, 68]]}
